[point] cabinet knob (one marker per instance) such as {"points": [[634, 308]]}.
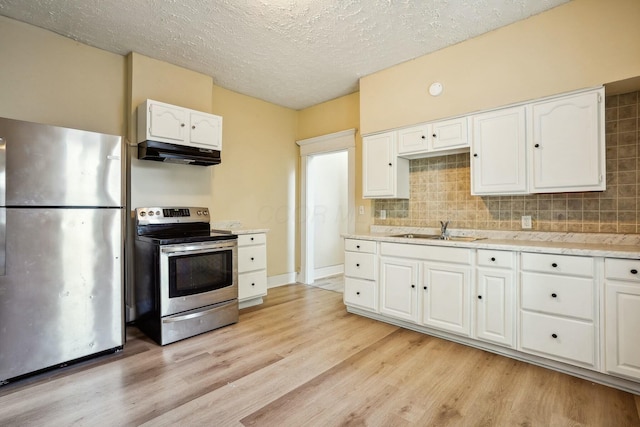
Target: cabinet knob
{"points": [[554, 335], [252, 239], [193, 127], [358, 293], [479, 296], [554, 265], [423, 137], [634, 271], [253, 284], [358, 247], [554, 295], [390, 164], [475, 154], [251, 258], [413, 286], [493, 258], [358, 265], [424, 287], [182, 125], [537, 145], [434, 135]]}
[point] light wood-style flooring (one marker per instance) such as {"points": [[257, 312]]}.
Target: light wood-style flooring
{"points": [[300, 359]]}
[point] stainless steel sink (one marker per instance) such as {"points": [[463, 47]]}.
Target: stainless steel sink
{"points": [[438, 237]]}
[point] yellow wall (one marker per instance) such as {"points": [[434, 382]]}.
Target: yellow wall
{"points": [[583, 43], [51, 79], [256, 181], [334, 116]]}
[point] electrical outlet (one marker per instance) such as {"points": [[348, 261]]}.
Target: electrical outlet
{"points": [[361, 210], [383, 214], [526, 222]]}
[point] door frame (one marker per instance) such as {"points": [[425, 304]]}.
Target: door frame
{"points": [[333, 142]]}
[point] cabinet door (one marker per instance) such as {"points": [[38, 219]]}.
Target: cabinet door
{"points": [[449, 134], [498, 163], [384, 175], [167, 122], [413, 140], [206, 130], [568, 144], [445, 302], [494, 306], [398, 288], [622, 335]]}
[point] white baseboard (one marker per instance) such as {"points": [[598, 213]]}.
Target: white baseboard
{"points": [[331, 270], [281, 280]]}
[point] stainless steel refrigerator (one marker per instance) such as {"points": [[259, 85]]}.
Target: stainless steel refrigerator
{"points": [[61, 246]]}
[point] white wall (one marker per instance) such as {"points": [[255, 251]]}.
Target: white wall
{"points": [[330, 212]]}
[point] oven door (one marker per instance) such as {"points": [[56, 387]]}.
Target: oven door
{"points": [[194, 275]]}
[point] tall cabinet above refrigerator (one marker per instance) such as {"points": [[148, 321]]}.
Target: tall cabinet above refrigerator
{"points": [[61, 246]]}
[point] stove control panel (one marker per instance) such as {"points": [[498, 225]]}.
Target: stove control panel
{"points": [[164, 215]]}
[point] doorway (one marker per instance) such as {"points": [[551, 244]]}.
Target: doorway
{"points": [[327, 203]]}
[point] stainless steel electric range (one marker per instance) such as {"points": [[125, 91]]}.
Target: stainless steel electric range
{"points": [[186, 277]]}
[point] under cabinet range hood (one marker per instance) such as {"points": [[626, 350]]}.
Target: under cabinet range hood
{"points": [[175, 153]]}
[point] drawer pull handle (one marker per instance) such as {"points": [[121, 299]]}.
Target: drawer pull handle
{"points": [[634, 271], [554, 295], [479, 296], [493, 258], [554, 265], [554, 335]]}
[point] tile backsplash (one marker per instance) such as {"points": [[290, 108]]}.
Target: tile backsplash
{"points": [[440, 190]]}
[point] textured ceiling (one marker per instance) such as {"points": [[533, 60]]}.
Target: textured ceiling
{"points": [[294, 53]]}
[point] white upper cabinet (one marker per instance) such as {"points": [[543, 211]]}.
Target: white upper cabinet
{"points": [[424, 139], [551, 146], [384, 174], [498, 160], [567, 137], [158, 121]]}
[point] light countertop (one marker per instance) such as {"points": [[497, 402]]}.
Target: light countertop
{"points": [[584, 244]]}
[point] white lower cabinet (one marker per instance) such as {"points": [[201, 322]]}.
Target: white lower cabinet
{"points": [[252, 268], [445, 297], [622, 317], [495, 292], [558, 308], [398, 288], [360, 274]]}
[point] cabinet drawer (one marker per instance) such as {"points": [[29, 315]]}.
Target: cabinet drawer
{"points": [[431, 253], [252, 258], [366, 246], [361, 293], [568, 339], [252, 284], [558, 264], [252, 239], [500, 259], [360, 265], [562, 295], [622, 269]]}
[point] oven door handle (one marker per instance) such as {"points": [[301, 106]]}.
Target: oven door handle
{"points": [[191, 250], [191, 315]]}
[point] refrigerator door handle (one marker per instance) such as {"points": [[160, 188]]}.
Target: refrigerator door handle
{"points": [[3, 172], [3, 209]]}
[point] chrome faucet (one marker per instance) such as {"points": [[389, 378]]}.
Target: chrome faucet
{"points": [[444, 233]]}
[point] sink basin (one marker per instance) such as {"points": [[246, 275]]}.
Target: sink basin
{"points": [[437, 237], [418, 236]]}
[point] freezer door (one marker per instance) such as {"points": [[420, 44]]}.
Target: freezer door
{"points": [[43, 165], [61, 297]]}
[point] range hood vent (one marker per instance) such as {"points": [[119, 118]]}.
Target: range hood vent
{"points": [[174, 153]]}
